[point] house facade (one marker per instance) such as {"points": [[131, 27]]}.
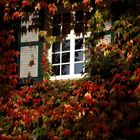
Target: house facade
{"points": [[66, 52], [68, 27]]}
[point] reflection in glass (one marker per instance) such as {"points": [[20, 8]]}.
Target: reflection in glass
{"points": [[65, 57], [78, 44], [65, 69], [55, 58], [56, 70], [78, 56], [66, 45], [56, 47], [78, 68]]}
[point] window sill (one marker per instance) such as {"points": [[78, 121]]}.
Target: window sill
{"points": [[68, 77]]}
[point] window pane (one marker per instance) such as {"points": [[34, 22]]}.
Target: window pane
{"points": [[66, 45], [56, 58], [79, 27], [65, 69], [78, 56], [66, 29], [65, 57], [72, 1], [78, 44], [79, 15], [87, 16], [56, 30], [56, 70], [66, 18], [78, 68], [56, 47], [57, 19]]}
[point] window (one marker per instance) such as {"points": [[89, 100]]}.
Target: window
{"points": [[81, 19], [67, 55], [64, 22], [61, 58], [61, 24]]}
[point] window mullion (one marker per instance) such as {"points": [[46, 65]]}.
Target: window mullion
{"points": [[61, 58], [72, 50]]}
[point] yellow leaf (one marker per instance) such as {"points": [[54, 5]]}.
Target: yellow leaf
{"points": [[37, 7], [42, 33], [97, 14], [51, 39]]}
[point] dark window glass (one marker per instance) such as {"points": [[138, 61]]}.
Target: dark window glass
{"points": [[87, 16], [56, 30], [65, 57], [56, 47], [57, 19], [66, 29], [78, 44], [86, 27], [78, 68], [72, 1], [66, 18], [65, 69], [79, 22], [66, 45], [79, 15], [79, 27], [56, 70], [78, 56], [56, 58]]}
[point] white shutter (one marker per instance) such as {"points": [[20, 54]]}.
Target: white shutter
{"points": [[29, 61], [29, 49], [30, 35]]}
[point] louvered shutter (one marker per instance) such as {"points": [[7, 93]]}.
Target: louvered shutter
{"points": [[30, 48]]}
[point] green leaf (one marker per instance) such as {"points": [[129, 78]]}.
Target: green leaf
{"points": [[36, 94], [132, 77], [119, 30], [38, 132]]}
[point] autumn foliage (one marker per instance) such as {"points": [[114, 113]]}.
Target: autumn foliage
{"points": [[104, 106], [8, 65], [75, 109]]}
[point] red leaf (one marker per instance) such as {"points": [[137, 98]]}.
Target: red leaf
{"points": [[15, 15], [25, 3], [137, 71], [138, 88], [88, 96], [6, 17], [86, 2], [67, 133]]}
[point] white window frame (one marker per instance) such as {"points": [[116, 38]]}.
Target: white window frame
{"points": [[72, 37]]}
